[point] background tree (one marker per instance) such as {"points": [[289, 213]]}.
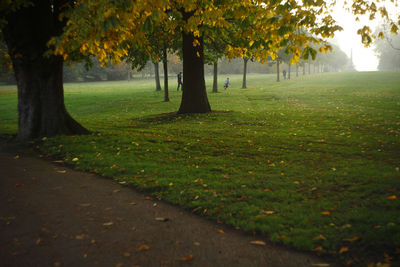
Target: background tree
{"points": [[387, 48]]}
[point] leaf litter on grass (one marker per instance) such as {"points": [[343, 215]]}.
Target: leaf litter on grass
{"points": [[320, 167]]}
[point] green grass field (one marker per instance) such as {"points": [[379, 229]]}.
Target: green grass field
{"points": [[312, 162]]}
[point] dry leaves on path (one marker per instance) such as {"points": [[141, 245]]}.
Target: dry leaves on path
{"points": [[258, 242], [188, 258]]}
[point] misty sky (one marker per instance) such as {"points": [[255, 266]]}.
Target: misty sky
{"points": [[364, 59]]}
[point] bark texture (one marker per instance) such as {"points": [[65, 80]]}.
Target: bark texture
{"points": [[215, 78], [244, 84], [41, 109], [165, 66], [277, 71], [157, 76], [194, 96]]}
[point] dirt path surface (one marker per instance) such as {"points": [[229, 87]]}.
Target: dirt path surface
{"points": [[51, 215]]}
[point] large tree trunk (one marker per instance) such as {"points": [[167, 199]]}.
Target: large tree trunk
{"points": [[157, 76], [165, 66], [41, 109], [215, 78], [244, 84], [194, 96]]}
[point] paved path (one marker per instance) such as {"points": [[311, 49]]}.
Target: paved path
{"points": [[51, 215]]}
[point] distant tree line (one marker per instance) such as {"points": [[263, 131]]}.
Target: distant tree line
{"points": [[387, 50], [334, 61]]}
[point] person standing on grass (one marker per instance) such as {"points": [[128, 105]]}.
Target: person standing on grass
{"points": [[180, 84], [284, 74], [226, 83]]}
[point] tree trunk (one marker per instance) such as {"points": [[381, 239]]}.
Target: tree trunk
{"points": [[157, 76], [41, 109], [309, 67], [215, 78], [165, 66], [297, 69], [277, 71], [289, 69], [194, 96], [304, 68], [244, 84]]}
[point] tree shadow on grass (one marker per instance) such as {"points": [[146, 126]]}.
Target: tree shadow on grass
{"points": [[171, 117]]}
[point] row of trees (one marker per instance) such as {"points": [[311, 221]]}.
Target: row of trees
{"points": [[334, 61], [137, 31]]}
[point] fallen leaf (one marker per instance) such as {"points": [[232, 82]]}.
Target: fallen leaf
{"points": [[85, 255], [108, 223], [161, 219], [38, 241], [266, 190], [18, 185], [132, 203], [196, 243], [343, 250], [320, 265], [320, 237], [326, 213], [147, 198], [85, 204], [392, 197], [352, 239], [116, 190], [80, 237], [258, 242], [62, 171], [220, 231], [16, 157], [127, 254], [319, 249], [188, 258], [75, 159], [143, 248]]}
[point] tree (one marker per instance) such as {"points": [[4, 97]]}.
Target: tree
{"points": [[27, 28]]}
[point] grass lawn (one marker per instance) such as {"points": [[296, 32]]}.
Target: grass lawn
{"points": [[312, 162]]}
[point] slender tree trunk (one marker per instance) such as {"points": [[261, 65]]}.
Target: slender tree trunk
{"points": [[289, 68], [194, 96], [165, 65], [297, 69], [244, 84], [304, 68], [157, 76], [309, 67], [215, 78], [277, 71], [41, 109]]}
